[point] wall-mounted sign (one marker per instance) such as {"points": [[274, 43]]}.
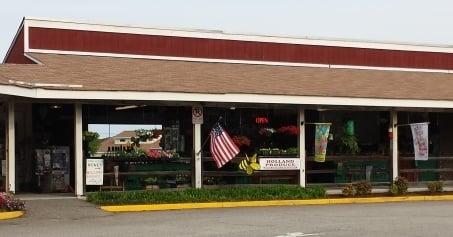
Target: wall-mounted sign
{"points": [[280, 163], [197, 114], [95, 172]]}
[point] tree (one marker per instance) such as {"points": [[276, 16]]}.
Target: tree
{"points": [[93, 141]]}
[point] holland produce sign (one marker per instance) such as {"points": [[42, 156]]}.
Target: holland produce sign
{"points": [[280, 163]]}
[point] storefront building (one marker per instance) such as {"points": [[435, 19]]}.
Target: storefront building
{"points": [[139, 104]]}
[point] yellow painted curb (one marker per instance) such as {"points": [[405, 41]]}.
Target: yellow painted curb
{"points": [[10, 215], [181, 206]]}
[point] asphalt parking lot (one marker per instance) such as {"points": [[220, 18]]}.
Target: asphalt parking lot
{"points": [[72, 217]]}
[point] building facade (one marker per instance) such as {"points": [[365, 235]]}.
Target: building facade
{"points": [[66, 88]]}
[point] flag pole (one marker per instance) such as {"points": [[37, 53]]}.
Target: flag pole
{"points": [[408, 124], [209, 136], [204, 144], [302, 123]]}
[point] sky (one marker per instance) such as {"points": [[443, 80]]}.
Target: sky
{"points": [[416, 21], [109, 130]]}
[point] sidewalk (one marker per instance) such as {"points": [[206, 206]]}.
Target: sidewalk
{"points": [[53, 208]]}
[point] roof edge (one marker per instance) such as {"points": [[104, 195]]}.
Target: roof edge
{"points": [[21, 27], [219, 34], [41, 93]]}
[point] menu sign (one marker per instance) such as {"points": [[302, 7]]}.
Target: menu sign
{"points": [[280, 163], [95, 172]]}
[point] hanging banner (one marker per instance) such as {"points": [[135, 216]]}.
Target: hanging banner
{"points": [[420, 137], [321, 138]]}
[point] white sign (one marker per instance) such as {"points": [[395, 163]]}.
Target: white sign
{"points": [[197, 114], [95, 172], [421, 142], [279, 163]]}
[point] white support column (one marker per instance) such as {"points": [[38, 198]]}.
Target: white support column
{"points": [[394, 143], [11, 159], [301, 122], [197, 154], [78, 149]]}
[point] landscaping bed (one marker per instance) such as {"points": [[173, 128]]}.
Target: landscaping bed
{"points": [[207, 195], [10, 203]]}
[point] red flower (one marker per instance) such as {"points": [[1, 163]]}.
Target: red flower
{"points": [[241, 140], [154, 153], [289, 130]]}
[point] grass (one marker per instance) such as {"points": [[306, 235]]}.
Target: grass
{"points": [[206, 195]]}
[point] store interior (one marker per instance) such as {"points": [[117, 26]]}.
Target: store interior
{"points": [[147, 147]]}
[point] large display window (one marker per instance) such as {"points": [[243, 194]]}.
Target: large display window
{"points": [[142, 147], [439, 165], [357, 148], [261, 134]]}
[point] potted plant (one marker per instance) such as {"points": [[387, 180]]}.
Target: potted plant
{"points": [[349, 142], [182, 181], [151, 183]]}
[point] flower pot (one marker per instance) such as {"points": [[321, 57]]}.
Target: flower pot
{"points": [[152, 187], [183, 186]]}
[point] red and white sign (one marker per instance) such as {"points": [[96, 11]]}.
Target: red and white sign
{"points": [[197, 114]]}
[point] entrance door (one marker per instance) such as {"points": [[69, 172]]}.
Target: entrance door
{"points": [[44, 148]]}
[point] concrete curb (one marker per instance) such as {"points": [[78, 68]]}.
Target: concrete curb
{"points": [[10, 215], [182, 206]]}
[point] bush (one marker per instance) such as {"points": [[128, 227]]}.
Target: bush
{"points": [[9, 203], [206, 195], [348, 190], [362, 188], [399, 186], [435, 187]]}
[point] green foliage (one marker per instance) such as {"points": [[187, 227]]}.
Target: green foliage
{"points": [[349, 144], [362, 188], [435, 186], [92, 138], [293, 150], [394, 190], [135, 152], [206, 195], [399, 186], [348, 190], [151, 180]]}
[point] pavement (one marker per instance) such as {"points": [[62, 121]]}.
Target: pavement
{"points": [[72, 217]]}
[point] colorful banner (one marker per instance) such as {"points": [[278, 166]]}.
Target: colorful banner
{"points": [[321, 138], [420, 137]]}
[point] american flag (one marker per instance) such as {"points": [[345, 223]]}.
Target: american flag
{"points": [[223, 148]]}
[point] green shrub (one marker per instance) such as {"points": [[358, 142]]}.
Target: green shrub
{"points": [[206, 195], [348, 190], [399, 186], [435, 187], [394, 189], [362, 188]]}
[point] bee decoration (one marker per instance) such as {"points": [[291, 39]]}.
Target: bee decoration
{"points": [[249, 164]]}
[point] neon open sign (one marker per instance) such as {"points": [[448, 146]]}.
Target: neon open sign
{"points": [[261, 120]]}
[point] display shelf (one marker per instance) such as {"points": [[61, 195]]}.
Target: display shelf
{"points": [[150, 173]]}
